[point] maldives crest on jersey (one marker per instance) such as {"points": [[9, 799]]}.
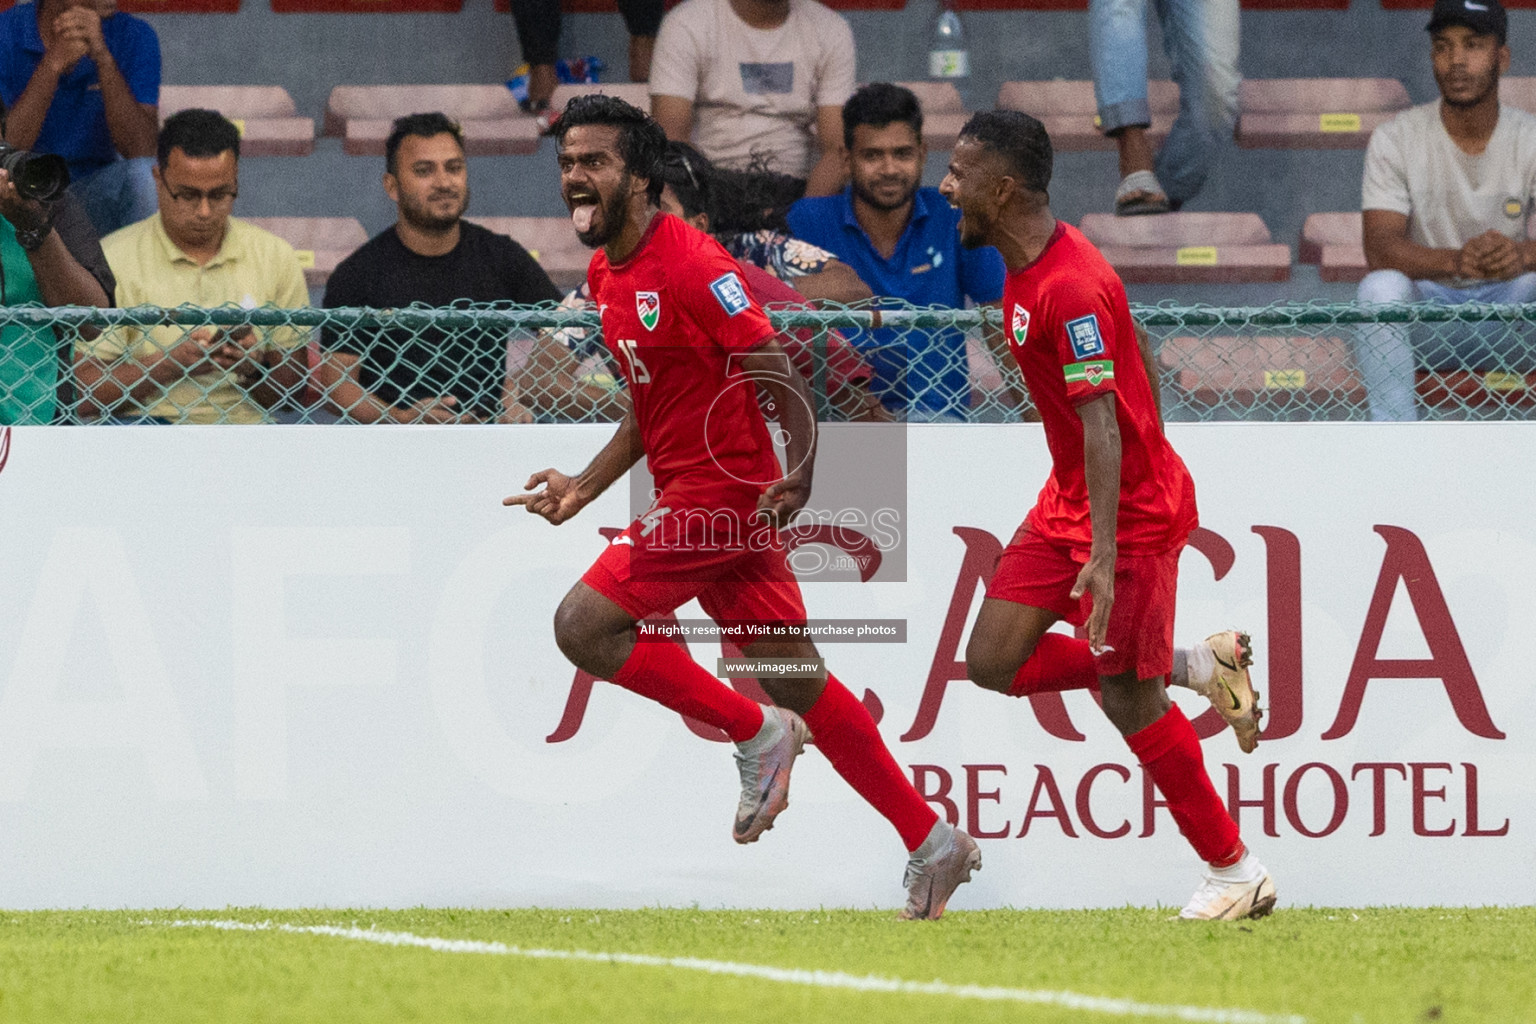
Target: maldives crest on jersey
{"points": [[648, 305], [1020, 326]]}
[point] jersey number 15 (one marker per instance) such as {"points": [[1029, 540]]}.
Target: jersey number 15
{"points": [[638, 374]]}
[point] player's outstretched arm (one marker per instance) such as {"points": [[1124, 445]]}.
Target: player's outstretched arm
{"points": [[793, 408], [1101, 465], [563, 496]]}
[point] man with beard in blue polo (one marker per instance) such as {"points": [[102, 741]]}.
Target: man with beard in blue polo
{"points": [[901, 239]]}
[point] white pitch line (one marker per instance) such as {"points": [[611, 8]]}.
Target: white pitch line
{"points": [[783, 975]]}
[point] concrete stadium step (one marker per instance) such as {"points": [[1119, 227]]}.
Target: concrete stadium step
{"points": [[1189, 248], [321, 242], [550, 240], [1315, 113], [493, 123], [1070, 113], [265, 114]]}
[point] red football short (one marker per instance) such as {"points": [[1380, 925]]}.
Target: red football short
{"points": [[1037, 573], [647, 572]]}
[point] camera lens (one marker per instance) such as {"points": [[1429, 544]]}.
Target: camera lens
{"points": [[41, 176]]}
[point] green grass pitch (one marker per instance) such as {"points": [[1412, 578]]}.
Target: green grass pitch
{"points": [[1394, 966]]}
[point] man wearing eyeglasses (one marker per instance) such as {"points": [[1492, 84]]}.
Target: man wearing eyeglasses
{"points": [[194, 252]]}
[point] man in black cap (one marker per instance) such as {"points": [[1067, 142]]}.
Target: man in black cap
{"points": [[1448, 190]]}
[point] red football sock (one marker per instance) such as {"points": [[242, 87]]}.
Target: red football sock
{"points": [[666, 674], [847, 736], [1058, 663], [1170, 751]]}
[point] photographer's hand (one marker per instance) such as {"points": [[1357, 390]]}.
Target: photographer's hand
{"points": [[24, 214]]}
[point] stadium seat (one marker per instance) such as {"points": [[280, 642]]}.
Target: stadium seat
{"points": [[1315, 113], [1070, 113], [265, 115], [635, 93], [550, 240], [492, 122], [1021, 5], [321, 242], [944, 112], [1271, 370], [1332, 241], [1472, 389], [1189, 248], [367, 6], [1294, 5]]}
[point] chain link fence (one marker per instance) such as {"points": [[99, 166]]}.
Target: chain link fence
{"points": [[546, 364]]}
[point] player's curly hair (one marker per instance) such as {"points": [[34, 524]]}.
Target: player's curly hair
{"points": [[642, 143], [754, 199], [691, 177], [1019, 139]]}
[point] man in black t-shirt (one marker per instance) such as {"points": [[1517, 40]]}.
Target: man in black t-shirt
{"points": [[433, 257]]}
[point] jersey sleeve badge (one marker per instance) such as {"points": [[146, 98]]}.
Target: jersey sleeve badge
{"points": [[730, 294], [1091, 373], [1020, 325], [1084, 335]]}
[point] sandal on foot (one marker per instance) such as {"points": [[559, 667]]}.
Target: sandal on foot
{"points": [[1140, 193]]}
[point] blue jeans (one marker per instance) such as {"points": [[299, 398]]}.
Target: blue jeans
{"points": [[1201, 39], [121, 193], [1384, 353]]}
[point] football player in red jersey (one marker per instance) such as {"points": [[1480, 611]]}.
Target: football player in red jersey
{"points": [[694, 346], [1101, 546]]}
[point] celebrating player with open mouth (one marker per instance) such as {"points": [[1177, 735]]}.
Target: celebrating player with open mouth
{"points": [[1102, 543], [694, 346]]}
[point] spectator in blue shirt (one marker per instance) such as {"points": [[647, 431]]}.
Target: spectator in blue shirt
{"points": [[83, 81], [902, 241]]}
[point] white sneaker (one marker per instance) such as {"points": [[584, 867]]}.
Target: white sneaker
{"points": [[1222, 900], [764, 762], [937, 868], [1229, 688]]}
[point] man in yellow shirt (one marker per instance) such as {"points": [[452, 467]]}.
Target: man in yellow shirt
{"points": [[194, 252]]}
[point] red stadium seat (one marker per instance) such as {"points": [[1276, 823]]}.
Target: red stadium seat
{"points": [[367, 6], [1268, 369], [321, 242], [636, 93], [1462, 389], [1294, 5], [492, 122], [1316, 113], [1070, 114], [265, 115], [1410, 5], [1332, 241], [1021, 5], [550, 240], [1189, 248]]}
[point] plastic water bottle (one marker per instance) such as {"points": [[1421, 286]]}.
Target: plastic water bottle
{"points": [[949, 55]]}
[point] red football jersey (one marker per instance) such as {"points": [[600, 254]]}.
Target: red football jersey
{"points": [[677, 317], [1070, 329]]}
